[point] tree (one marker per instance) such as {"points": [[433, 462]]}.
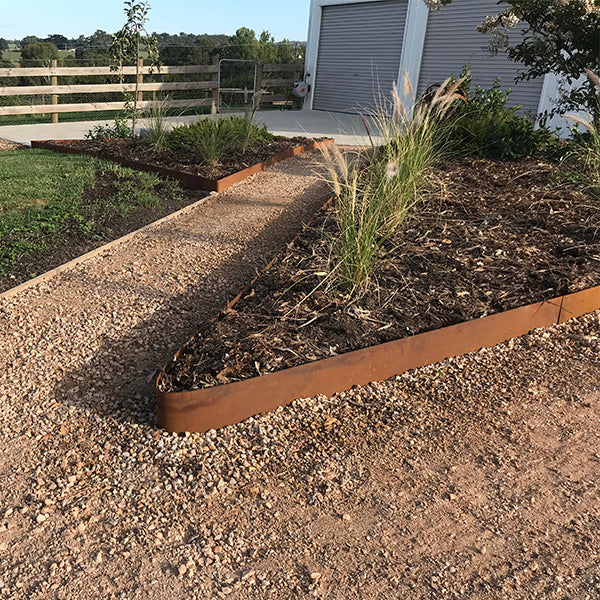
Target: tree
{"points": [[127, 43], [100, 40], [30, 39], [60, 41], [286, 52], [175, 55], [90, 57], [39, 53], [266, 50], [205, 48], [243, 45], [3, 44], [561, 37]]}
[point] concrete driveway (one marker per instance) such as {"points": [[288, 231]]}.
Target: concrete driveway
{"points": [[346, 129]]}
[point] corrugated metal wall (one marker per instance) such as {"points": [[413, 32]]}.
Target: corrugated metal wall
{"points": [[452, 40], [359, 54]]}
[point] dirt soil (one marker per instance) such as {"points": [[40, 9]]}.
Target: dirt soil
{"points": [[475, 478], [498, 236], [184, 161]]}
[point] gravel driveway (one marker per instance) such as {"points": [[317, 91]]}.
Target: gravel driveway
{"points": [[473, 478]]}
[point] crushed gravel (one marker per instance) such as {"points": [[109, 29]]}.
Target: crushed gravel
{"points": [[473, 478], [7, 145]]}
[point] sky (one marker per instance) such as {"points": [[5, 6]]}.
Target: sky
{"points": [[283, 18]]}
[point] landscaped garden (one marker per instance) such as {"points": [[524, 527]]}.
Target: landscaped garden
{"points": [[212, 147], [434, 227]]}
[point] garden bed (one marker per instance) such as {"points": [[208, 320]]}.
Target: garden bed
{"points": [[501, 236], [55, 208], [183, 165]]}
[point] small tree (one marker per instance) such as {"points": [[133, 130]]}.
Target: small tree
{"points": [[127, 44], [560, 36]]}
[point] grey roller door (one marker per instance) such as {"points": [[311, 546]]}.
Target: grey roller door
{"points": [[452, 40], [359, 54]]}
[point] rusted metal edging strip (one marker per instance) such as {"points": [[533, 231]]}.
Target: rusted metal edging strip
{"points": [[575, 305], [216, 407], [193, 181]]}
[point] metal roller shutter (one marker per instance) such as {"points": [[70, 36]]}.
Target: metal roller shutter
{"points": [[359, 54], [452, 41]]}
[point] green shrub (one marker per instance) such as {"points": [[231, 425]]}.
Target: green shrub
{"points": [[210, 138], [484, 126], [106, 132]]}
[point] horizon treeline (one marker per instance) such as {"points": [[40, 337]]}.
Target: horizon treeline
{"points": [[174, 49]]}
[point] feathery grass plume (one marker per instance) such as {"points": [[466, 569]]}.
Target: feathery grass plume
{"points": [[593, 77], [581, 121], [338, 166], [414, 139], [157, 123], [375, 198]]}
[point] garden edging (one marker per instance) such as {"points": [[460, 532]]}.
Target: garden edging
{"points": [[193, 181], [216, 407]]}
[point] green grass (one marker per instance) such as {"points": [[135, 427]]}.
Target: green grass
{"points": [[12, 55], [37, 178], [48, 199], [104, 115]]}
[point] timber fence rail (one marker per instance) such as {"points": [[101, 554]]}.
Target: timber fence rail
{"points": [[272, 78]]}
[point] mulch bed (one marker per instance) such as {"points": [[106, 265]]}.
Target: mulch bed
{"points": [[499, 235], [137, 149], [66, 243]]}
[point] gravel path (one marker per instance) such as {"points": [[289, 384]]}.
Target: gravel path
{"points": [[7, 145], [473, 478]]}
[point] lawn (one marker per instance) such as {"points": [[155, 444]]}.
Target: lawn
{"points": [[55, 207]]}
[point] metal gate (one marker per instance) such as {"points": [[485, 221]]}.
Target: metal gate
{"points": [[236, 87]]}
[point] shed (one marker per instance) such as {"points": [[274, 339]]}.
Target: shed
{"points": [[357, 49]]}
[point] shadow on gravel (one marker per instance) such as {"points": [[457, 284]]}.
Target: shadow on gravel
{"points": [[119, 381]]}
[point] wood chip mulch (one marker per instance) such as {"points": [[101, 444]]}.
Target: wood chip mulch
{"points": [[185, 161]]}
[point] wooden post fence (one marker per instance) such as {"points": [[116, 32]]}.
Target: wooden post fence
{"points": [[140, 80], [215, 80], [268, 76], [54, 83]]}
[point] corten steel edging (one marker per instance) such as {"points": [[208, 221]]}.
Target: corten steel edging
{"points": [[193, 181], [212, 408], [580, 303]]}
